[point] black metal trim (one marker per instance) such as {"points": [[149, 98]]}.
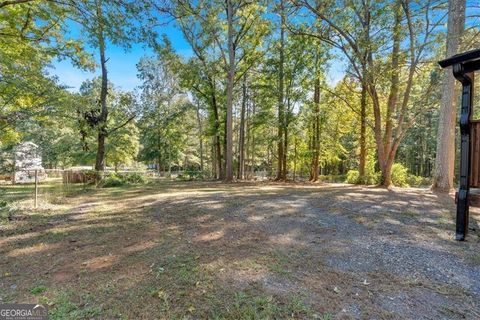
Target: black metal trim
{"points": [[460, 58], [467, 80]]}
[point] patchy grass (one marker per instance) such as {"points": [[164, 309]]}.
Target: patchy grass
{"points": [[279, 264], [474, 259], [69, 305], [39, 289], [411, 213], [205, 250]]}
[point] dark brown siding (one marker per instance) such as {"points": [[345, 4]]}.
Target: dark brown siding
{"points": [[475, 154]]}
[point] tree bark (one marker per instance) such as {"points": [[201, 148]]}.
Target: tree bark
{"points": [[316, 132], [200, 135], [102, 127], [363, 129], [285, 141], [241, 136], [386, 147], [294, 159], [230, 82], [218, 148], [445, 154], [252, 134], [281, 105]]}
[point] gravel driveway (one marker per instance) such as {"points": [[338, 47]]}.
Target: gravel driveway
{"points": [[191, 250]]}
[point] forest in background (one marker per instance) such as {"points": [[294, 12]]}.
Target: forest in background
{"points": [[253, 97]]}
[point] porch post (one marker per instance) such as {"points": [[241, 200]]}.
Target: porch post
{"points": [[467, 80]]}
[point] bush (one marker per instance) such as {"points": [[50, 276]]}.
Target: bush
{"points": [[191, 175], [399, 175], [119, 179], [132, 177], [333, 178], [370, 178], [112, 181], [353, 176], [417, 181]]}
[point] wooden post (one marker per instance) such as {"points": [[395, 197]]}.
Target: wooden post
{"points": [[67, 186], [464, 65], [36, 189], [467, 81]]}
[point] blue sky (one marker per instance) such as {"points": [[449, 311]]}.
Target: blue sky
{"points": [[121, 66], [122, 70]]}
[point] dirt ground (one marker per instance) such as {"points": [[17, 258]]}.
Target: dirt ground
{"points": [[194, 250]]}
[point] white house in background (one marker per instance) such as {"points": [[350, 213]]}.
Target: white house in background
{"points": [[27, 159]]}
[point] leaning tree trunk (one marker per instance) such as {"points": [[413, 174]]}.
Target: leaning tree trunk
{"points": [[386, 148], [102, 128], [445, 157], [387, 164]]}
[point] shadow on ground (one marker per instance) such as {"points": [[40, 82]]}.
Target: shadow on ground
{"points": [[246, 250]]}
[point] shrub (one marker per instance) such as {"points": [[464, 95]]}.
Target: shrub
{"points": [[112, 181], [417, 181], [195, 174], [119, 179], [191, 175], [333, 178], [3, 203], [370, 177], [132, 177], [353, 176], [399, 175]]}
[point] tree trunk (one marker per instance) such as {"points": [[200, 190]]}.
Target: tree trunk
{"points": [[241, 136], [102, 126], [363, 129], [252, 134], [386, 166], [445, 155], [294, 159], [285, 144], [100, 158], [200, 135], [246, 167], [281, 105], [218, 147], [214, 159], [230, 82], [386, 146], [316, 132], [311, 148]]}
